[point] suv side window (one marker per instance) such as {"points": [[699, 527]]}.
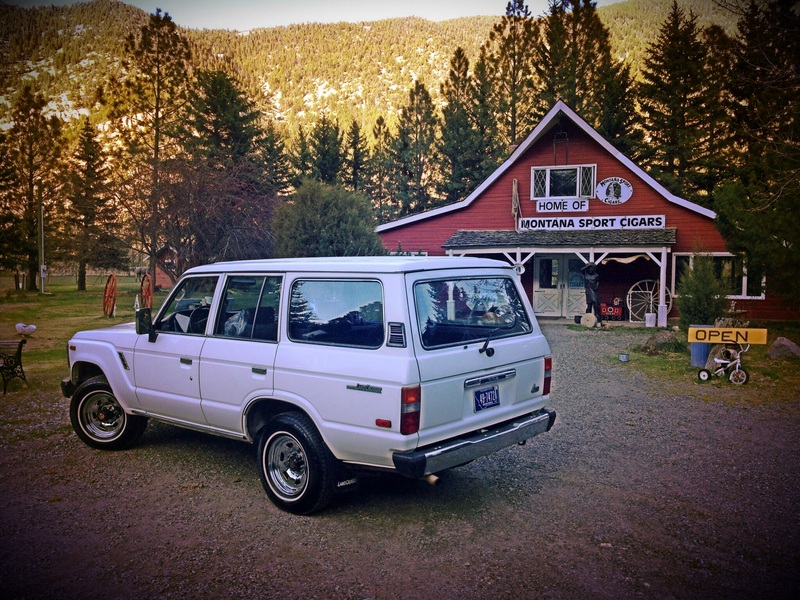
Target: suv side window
{"points": [[337, 312], [189, 306], [250, 308]]}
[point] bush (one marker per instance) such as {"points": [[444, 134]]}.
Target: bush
{"points": [[325, 220], [701, 295]]}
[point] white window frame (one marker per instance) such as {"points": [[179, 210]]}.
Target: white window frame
{"points": [[743, 290], [590, 193]]}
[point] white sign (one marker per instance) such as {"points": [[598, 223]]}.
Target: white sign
{"points": [[592, 223], [614, 190], [557, 205]]}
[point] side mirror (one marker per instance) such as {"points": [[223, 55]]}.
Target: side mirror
{"points": [[144, 323]]}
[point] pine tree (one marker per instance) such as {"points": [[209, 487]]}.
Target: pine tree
{"points": [[673, 98], [31, 165], [618, 121], [574, 64], [327, 155], [356, 159], [413, 152], [275, 161], [301, 158], [759, 206], [459, 145], [483, 119], [380, 160], [221, 123], [233, 167], [146, 110], [90, 216], [510, 59]]}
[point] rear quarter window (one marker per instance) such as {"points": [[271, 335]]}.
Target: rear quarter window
{"points": [[337, 312]]}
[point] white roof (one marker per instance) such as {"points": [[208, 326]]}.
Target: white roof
{"points": [[349, 264], [535, 136]]}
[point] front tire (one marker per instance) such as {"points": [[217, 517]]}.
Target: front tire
{"points": [[739, 377], [99, 419], [704, 375], [296, 468]]}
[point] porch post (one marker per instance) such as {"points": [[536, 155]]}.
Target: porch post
{"points": [[662, 291]]}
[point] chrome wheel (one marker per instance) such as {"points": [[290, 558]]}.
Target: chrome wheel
{"points": [[286, 465], [99, 419], [295, 467], [101, 416]]}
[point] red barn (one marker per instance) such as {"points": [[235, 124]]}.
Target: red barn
{"points": [[566, 197]]}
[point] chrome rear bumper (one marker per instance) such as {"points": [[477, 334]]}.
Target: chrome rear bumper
{"points": [[452, 453]]}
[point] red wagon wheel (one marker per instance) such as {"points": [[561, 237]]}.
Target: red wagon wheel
{"points": [[146, 292], [110, 296]]}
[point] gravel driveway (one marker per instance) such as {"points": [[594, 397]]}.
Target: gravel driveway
{"points": [[646, 489]]}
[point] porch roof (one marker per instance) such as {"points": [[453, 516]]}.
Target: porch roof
{"points": [[476, 239]]}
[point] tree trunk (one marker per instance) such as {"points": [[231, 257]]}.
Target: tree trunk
{"points": [[33, 273], [82, 275]]}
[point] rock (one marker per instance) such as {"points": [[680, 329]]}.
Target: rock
{"points": [[783, 348], [661, 342]]}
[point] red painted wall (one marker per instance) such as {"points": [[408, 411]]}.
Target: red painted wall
{"points": [[492, 211]]}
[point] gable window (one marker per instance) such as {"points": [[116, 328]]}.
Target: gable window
{"points": [[563, 182]]}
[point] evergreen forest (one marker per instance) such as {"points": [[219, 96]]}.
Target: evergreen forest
{"points": [[126, 134]]}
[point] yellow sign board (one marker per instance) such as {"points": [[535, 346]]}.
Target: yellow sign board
{"points": [[727, 335]]}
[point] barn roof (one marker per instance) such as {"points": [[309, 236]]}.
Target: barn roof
{"points": [[550, 120]]}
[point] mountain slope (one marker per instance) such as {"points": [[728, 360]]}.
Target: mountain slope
{"points": [[352, 71]]}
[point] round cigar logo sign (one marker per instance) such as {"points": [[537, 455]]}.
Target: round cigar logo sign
{"points": [[614, 190]]}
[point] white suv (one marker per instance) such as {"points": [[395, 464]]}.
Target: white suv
{"points": [[330, 365]]}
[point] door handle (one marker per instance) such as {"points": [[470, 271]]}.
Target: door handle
{"points": [[259, 370], [186, 361]]}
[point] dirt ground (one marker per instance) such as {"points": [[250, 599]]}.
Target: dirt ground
{"points": [[652, 489]]}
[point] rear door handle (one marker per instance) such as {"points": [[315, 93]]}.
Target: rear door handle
{"points": [[259, 370], [186, 361]]}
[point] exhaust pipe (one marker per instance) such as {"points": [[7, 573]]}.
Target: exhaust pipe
{"points": [[430, 479]]}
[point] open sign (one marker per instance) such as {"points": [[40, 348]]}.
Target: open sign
{"points": [[727, 335]]}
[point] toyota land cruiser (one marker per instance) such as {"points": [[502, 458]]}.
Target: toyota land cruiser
{"points": [[329, 366]]}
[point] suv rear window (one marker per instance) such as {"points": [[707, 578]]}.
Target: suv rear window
{"points": [[337, 312], [458, 311]]}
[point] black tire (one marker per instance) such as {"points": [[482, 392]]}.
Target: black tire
{"points": [[99, 420], [704, 375], [296, 468]]}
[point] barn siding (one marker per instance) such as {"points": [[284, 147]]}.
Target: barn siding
{"points": [[492, 211]]}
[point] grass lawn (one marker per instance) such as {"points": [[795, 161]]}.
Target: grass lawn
{"points": [[58, 314]]}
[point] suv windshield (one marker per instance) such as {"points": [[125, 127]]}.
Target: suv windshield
{"points": [[458, 311]]}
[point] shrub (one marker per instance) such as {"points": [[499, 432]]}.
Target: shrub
{"points": [[701, 295]]}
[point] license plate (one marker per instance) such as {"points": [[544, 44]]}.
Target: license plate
{"points": [[487, 398]]}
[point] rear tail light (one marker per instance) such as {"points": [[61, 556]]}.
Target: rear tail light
{"points": [[548, 370], [410, 405]]}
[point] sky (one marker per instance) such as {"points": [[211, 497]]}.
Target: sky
{"points": [[242, 15]]}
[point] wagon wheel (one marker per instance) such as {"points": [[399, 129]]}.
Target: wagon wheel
{"points": [[643, 298], [110, 295], [146, 292]]}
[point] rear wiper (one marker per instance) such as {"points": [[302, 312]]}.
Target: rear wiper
{"points": [[490, 351], [485, 347]]}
